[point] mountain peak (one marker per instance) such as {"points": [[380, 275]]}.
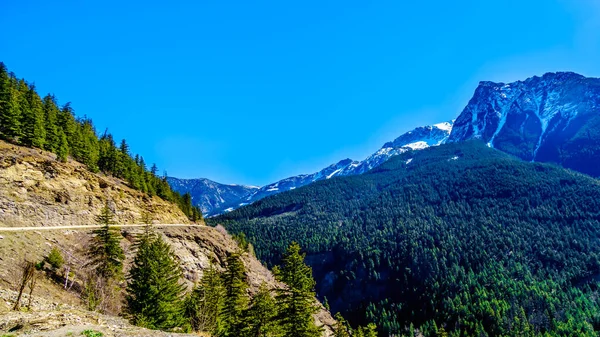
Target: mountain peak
{"points": [[537, 119]]}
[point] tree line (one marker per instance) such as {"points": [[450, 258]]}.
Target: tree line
{"points": [[27, 119]]}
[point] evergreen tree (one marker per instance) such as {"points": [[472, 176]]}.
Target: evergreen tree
{"points": [[297, 301], [52, 132], [10, 114], [67, 123], [341, 329], [105, 252], [205, 302], [235, 299], [369, 331], [259, 319], [62, 150], [154, 293], [25, 115], [34, 132], [89, 151]]}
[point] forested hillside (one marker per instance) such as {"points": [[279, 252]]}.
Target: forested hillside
{"points": [[28, 119], [459, 239]]}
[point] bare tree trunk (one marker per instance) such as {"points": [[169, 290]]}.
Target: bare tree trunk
{"points": [[67, 271], [28, 269], [32, 284]]}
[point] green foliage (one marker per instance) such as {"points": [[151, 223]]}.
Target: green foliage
{"points": [[204, 304], [482, 245], [369, 331], [260, 318], [105, 252], [341, 328], [10, 112], [26, 119], [92, 333], [62, 150], [297, 301], [235, 299], [154, 294], [55, 259], [241, 240]]}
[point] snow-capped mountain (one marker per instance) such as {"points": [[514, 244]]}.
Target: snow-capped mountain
{"points": [[215, 198], [553, 118], [417, 139], [208, 194]]}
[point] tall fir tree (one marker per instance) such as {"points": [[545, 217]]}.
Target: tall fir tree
{"points": [[62, 149], [154, 294], [235, 299], [88, 141], [105, 252], [204, 304], [341, 328], [259, 319], [34, 131], [296, 301], [10, 113], [50, 123]]}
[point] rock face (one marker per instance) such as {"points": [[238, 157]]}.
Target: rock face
{"points": [[553, 118], [217, 198], [39, 191]]}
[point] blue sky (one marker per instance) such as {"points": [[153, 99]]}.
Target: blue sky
{"points": [[254, 91]]}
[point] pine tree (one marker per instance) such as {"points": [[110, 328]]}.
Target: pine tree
{"points": [[297, 301], [235, 299], [154, 293], [204, 304], [52, 132], [259, 319], [341, 329], [10, 114], [34, 132], [62, 150], [105, 252], [369, 331], [26, 121]]}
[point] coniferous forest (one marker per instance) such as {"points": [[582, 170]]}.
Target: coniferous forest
{"points": [[27, 119], [457, 240]]}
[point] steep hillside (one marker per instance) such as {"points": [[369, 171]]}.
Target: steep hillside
{"points": [[209, 195], [441, 237], [554, 118], [37, 190], [197, 247]]}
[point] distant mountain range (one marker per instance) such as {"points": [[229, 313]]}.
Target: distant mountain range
{"points": [[553, 118], [215, 198], [210, 195]]}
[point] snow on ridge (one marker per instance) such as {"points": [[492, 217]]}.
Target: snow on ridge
{"points": [[334, 173], [417, 145], [445, 126]]}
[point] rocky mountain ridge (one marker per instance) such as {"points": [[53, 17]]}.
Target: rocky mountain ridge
{"points": [[553, 118], [218, 198]]}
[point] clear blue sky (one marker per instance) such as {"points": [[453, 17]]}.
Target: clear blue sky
{"points": [[254, 91]]}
